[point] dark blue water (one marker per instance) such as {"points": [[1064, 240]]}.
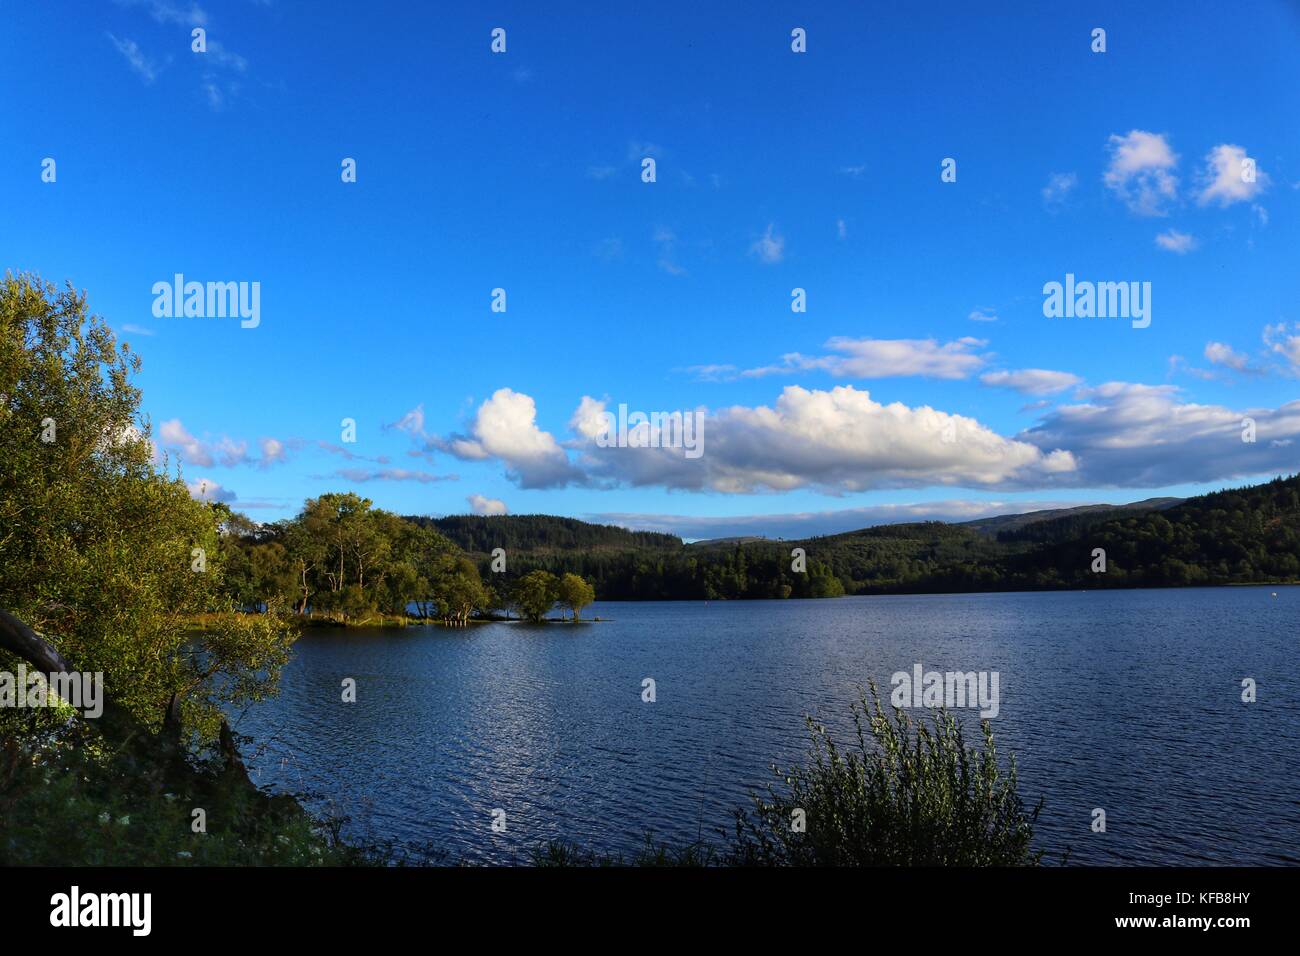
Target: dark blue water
{"points": [[1128, 701]]}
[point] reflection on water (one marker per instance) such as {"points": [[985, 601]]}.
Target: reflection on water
{"points": [[1128, 701]]}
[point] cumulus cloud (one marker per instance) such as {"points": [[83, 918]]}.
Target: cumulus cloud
{"points": [[1141, 171], [1229, 177], [885, 358], [839, 440], [1174, 241], [1032, 381], [481, 505], [505, 427], [769, 247], [1131, 435], [205, 489]]}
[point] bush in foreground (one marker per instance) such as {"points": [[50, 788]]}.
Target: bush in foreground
{"points": [[903, 793]]}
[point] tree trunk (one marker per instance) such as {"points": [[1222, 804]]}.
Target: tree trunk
{"points": [[116, 723]]}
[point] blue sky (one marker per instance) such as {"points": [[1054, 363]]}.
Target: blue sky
{"points": [[775, 170]]}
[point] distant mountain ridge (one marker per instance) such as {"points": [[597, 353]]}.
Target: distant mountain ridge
{"points": [[1242, 535]]}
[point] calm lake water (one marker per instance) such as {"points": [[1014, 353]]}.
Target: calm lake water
{"points": [[1128, 700]]}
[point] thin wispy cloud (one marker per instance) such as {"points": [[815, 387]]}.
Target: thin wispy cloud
{"points": [[769, 247], [1032, 381], [1058, 189], [883, 358], [162, 11], [363, 475], [140, 64], [1171, 240], [1218, 353]]}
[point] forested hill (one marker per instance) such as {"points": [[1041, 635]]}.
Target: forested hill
{"points": [[1088, 515], [1245, 535], [479, 534]]}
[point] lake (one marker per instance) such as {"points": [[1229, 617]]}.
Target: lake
{"points": [[1129, 701]]}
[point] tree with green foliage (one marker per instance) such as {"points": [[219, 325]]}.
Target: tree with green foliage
{"points": [[102, 552], [457, 589], [535, 594], [574, 593]]}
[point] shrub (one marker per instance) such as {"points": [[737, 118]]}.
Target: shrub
{"points": [[902, 794]]}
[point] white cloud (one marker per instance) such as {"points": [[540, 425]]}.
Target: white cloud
{"points": [[205, 489], [164, 12], [362, 475], [1175, 241], [1144, 436], [218, 54], [837, 441], [639, 151], [885, 358], [486, 506], [1058, 188], [666, 241], [1141, 171], [211, 90], [714, 373], [841, 229], [225, 452], [412, 423], [770, 247], [505, 427], [983, 315], [1225, 177], [141, 64], [1032, 381], [173, 436], [1219, 354], [273, 451], [1285, 343]]}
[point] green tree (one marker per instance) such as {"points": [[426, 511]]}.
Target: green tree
{"points": [[101, 551], [574, 593], [457, 589], [535, 595]]}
